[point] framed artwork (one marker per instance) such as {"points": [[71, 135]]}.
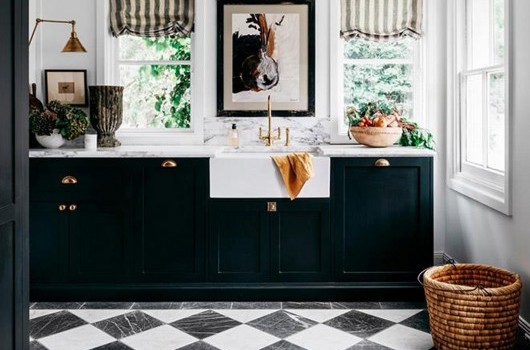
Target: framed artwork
{"points": [[266, 47], [67, 86]]}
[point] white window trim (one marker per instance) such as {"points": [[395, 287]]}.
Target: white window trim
{"points": [[107, 68], [337, 74], [488, 187]]}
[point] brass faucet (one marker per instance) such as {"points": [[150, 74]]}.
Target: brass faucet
{"points": [[269, 138]]}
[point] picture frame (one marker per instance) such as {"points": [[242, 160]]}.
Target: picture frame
{"points": [[252, 63], [66, 86]]}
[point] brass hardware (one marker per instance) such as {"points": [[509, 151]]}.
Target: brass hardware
{"points": [[287, 137], [169, 164], [72, 45], [62, 207], [72, 207], [269, 138], [69, 180], [272, 207], [382, 163]]}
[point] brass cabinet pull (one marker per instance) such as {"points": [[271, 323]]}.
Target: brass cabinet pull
{"points": [[272, 207], [69, 180], [382, 163], [72, 207], [169, 164], [62, 207]]}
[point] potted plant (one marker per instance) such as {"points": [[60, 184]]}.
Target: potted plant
{"points": [[380, 125], [56, 123]]}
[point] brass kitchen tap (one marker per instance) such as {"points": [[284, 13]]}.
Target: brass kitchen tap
{"points": [[269, 138]]}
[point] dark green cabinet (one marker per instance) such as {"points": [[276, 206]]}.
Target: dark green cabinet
{"points": [[382, 219], [169, 246], [250, 241]]}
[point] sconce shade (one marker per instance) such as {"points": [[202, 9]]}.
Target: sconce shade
{"points": [[73, 44]]}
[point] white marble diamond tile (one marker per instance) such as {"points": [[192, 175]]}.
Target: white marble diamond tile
{"points": [[399, 337], [322, 337], [170, 316], [39, 313], [241, 338], [93, 316], [245, 316], [160, 338], [392, 315], [319, 316], [80, 338]]}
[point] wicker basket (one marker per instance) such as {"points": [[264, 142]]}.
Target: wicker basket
{"points": [[472, 306]]}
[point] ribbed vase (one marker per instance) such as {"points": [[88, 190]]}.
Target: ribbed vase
{"points": [[106, 113]]}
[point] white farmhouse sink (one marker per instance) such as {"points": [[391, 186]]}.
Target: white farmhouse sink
{"points": [[254, 175]]}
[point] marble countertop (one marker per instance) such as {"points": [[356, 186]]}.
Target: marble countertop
{"points": [[207, 151]]}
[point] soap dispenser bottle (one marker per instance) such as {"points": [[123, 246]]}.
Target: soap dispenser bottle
{"points": [[233, 136]]}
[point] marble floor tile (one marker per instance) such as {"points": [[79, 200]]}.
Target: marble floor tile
{"points": [[392, 315], [35, 345], [86, 337], [157, 306], [359, 324], [113, 346], [306, 305], [242, 337], [399, 337], [93, 316], [319, 316], [283, 345], [54, 323], [106, 305], [160, 338], [57, 306], [356, 305], [245, 316], [256, 305], [200, 345], [368, 345], [169, 316], [419, 321], [282, 324], [404, 305], [39, 313], [128, 324], [205, 324], [206, 305], [322, 337]]}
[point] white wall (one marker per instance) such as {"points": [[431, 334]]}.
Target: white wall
{"points": [[478, 234], [303, 130]]}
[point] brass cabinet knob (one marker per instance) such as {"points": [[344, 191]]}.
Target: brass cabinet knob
{"points": [[382, 163], [69, 180], [72, 207], [169, 164], [62, 207], [272, 207]]}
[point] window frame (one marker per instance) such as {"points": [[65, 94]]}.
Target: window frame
{"points": [[337, 77], [478, 182], [108, 73]]}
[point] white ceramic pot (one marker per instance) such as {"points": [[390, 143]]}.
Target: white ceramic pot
{"points": [[54, 140]]}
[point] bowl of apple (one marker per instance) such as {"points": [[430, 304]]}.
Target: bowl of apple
{"points": [[381, 130]]}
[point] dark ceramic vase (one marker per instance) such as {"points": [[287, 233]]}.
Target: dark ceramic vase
{"points": [[106, 113]]}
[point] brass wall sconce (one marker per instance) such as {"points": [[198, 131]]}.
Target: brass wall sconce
{"points": [[72, 45]]}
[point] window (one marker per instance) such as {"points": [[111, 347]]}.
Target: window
{"points": [[156, 73], [366, 71], [480, 153]]}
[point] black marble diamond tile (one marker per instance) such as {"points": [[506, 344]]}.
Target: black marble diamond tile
{"points": [[57, 306], [113, 346], [283, 345], [106, 306], [206, 305], [205, 324], [36, 346], [157, 306], [368, 345], [361, 305], [420, 321], [404, 305], [359, 324], [199, 346], [55, 323], [305, 305], [126, 325], [281, 324], [522, 343], [257, 305]]}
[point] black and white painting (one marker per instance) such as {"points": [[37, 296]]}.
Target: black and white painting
{"points": [[265, 53]]}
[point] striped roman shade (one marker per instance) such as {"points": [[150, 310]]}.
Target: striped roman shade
{"points": [[151, 18], [381, 20]]}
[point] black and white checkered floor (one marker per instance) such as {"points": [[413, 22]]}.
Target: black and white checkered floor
{"points": [[231, 326]]}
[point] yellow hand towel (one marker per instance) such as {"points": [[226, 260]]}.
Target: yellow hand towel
{"points": [[296, 169]]}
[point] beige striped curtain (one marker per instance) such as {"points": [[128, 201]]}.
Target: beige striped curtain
{"points": [[151, 18], [381, 20]]}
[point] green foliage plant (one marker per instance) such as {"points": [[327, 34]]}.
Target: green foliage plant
{"points": [[70, 121]]}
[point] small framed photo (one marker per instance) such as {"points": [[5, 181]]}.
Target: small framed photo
{"points": [[67, 86]]}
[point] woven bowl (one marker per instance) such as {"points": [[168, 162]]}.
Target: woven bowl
{"points": [[376, 137]]}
